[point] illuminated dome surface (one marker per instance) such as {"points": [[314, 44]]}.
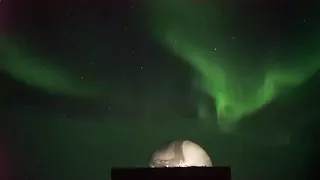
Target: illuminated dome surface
{"points": [[180, 154]]}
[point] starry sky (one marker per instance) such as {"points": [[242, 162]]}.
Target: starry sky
{"points": [[89, 85]]}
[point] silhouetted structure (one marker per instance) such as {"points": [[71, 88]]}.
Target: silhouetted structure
{"points": [[176, 173]]}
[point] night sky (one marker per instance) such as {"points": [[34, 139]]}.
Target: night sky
{"points": [[90, 85]]}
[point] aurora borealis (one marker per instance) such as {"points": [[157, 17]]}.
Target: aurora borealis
{"points": [[194, 31], [88, 85]]}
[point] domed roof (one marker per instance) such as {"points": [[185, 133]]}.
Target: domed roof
{"points": [[180, 154]]}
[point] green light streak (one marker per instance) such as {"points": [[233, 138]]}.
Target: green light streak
{"points": [[192, 31], [36, 71]]}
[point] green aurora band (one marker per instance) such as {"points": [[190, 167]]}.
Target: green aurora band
{"points": [[189, 29], [19, 61]]}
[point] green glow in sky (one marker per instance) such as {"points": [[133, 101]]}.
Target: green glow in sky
{"points": [[193, 32], [35, 71]]}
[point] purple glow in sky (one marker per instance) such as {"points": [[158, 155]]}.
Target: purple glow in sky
{"points": [[3, 16]]}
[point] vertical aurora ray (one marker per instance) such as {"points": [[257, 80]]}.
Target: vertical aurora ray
{"points": [[193, 30]]}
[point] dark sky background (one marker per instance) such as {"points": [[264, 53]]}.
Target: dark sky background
{"points": [[150, 97]]}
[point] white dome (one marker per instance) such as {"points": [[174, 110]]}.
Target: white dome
{"points": [[180, 154]]}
